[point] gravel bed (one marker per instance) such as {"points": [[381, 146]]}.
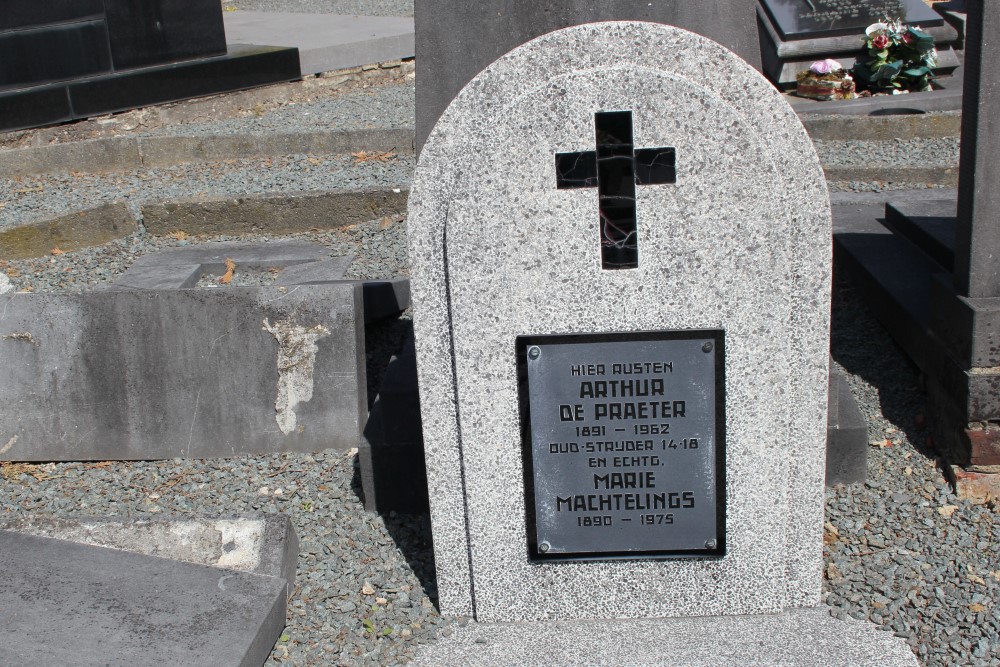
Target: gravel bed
{"points": [[360, 107], [902, 550], [28, 198], [365, 589], [359, 7]]}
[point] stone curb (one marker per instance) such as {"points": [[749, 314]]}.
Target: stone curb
{"points": [[125, 153], [79, 229], [272, 214], [942, 175], [868, 128]]}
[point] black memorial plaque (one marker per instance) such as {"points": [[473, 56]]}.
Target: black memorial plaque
{"points": [[623, 444], [809, 19]]}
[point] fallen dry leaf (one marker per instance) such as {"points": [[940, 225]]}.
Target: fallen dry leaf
{"points": [[374, 156], [57, 251], [947, 510], [13, 471], [367, 589], [24, 191], [314, 160], [976, 608], [227, 277], [180, 234]]}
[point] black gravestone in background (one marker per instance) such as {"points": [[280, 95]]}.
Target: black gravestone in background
{"points": [[807, 19], [53, 53], [456, 39], [22, 13], [67, 59], [147, 32]]}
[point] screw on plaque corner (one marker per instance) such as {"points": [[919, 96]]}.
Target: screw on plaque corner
{"points": [[711, 544], [707, 347], [544, 547], [534, 352]]}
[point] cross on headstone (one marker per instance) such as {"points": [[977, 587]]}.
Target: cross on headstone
{"points": [[615, 168]]}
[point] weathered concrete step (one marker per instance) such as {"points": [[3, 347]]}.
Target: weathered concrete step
{"points": [[72, 604], [882, 128], [945, 175], [280, 213], [124, 153]]}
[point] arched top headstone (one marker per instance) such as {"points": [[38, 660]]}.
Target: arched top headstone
{"points": [[616, 178]]}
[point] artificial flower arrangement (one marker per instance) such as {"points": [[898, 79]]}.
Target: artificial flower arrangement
{"points": [[900, 58], [825, 80]]}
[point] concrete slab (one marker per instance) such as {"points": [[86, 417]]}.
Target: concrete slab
{"points": [[795, 638], [262, 544], [149, 374], [63, 603], [325, 41]]}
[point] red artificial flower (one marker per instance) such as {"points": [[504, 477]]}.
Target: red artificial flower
{"points": [[880, 41]]}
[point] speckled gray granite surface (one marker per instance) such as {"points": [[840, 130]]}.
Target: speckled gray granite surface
{"points": [[720, 249], [796, 638]]}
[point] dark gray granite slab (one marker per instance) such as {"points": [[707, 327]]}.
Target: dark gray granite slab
{"points": [[63, 603]]}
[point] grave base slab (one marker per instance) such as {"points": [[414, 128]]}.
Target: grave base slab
{"points": [[805, 637]]}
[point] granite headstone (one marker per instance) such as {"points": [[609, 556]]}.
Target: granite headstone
{"points": [[622, 328], [716, 256]]}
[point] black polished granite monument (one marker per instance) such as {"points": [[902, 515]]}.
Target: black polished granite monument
{"points": [[805, 19], [795, 33], [67, 59]]}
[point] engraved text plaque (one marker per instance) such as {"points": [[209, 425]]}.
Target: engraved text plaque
{"points": [[623, 439]]}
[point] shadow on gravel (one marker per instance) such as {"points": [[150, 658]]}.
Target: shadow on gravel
{"points": [[412, 534], [866, 350]]}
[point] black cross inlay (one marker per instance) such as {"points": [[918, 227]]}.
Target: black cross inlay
{"points": [[615, 168]]}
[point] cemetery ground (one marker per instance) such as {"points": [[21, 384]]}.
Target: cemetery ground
{"points": [[902, 550]]}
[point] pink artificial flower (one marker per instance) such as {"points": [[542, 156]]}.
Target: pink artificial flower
{"points": [[825, 66], [880, 42], [909, 38]]}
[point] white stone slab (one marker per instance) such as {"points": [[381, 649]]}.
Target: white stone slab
{"points": [[795, 638], [741, 242]]}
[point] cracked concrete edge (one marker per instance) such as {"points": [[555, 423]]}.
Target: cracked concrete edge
{"points": [[125, 153], [202, 540], [272, 214]]}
